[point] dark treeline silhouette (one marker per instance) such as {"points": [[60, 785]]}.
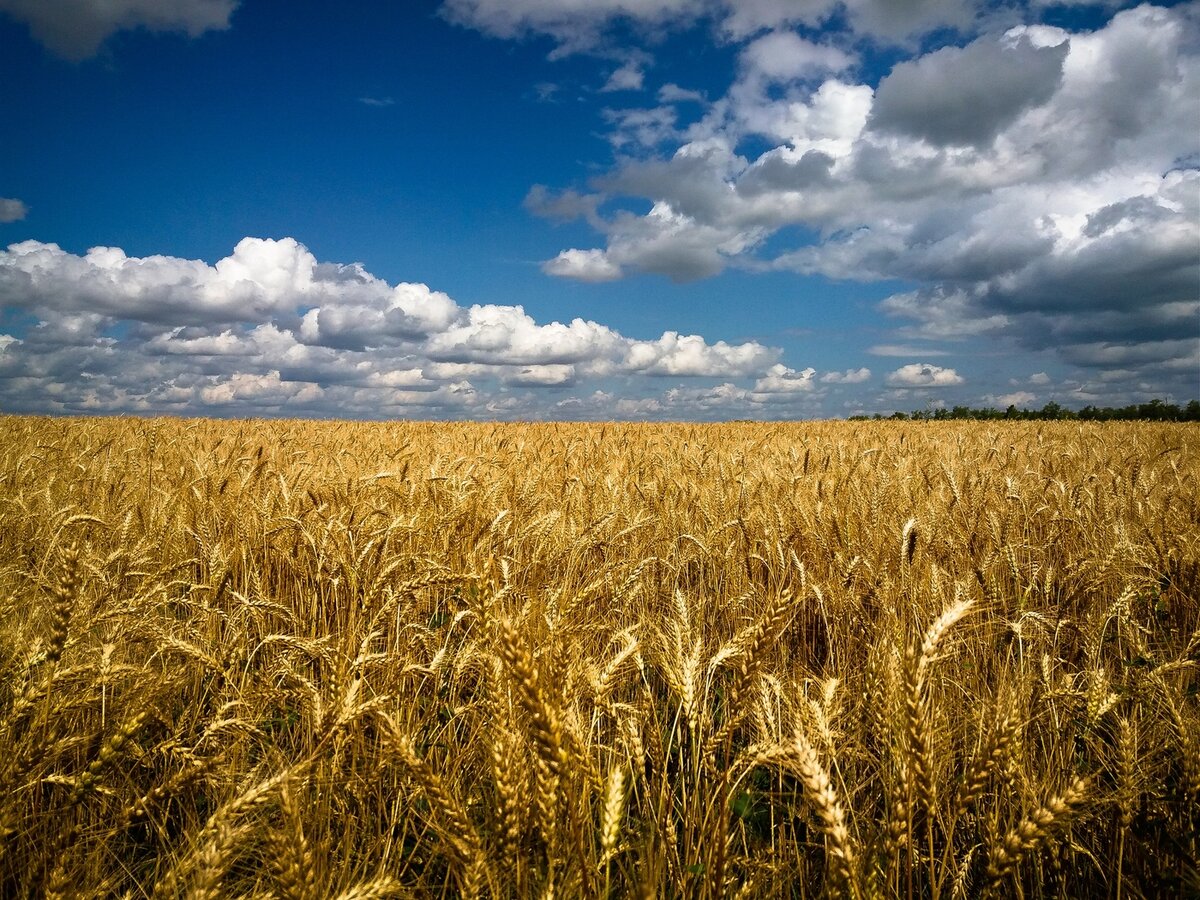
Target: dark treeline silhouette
{"points": [[1154, 411]]}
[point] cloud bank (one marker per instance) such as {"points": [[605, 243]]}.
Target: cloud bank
{"points": [[270, 330]]}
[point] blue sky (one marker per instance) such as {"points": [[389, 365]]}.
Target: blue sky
{"points": [[663, 209]]}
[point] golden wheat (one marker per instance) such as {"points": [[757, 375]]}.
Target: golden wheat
{"points": [[301, 659]]}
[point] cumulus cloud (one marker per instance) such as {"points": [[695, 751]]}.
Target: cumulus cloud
{"points": [[247, 389], [676, 354], [260, 278], [850, 376], [923, 375], [541, 376], [12, 210], [1016, 398], [1035, 186], [75, 29], [782, 380], [500, 335], [784, 56], [583, 265], [271, 329]]}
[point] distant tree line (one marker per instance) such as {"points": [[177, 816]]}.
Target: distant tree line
{"points": [[1154, 411]]}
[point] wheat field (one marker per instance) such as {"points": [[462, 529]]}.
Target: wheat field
{"points": [[318, 660]]}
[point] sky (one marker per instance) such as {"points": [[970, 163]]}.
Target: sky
{"points": [[596, 209]]}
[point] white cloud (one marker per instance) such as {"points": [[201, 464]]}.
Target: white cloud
{"points": [[829, 120], [12, 210], [748, 17], [782, 380], [673, 93], [940, 314], [675, 354], [270, 329], [176, 342], [850, 376], [541, 376], [575, 24], [506, 335], [1016, 398], [583, 265], [642, 128], [923, 375], [722, 401], [1039, 378], [629, 77], [884, 21], [584, 24], [245, 388], [784, 56], [34, 275], [75, 29], [1050, 203]]}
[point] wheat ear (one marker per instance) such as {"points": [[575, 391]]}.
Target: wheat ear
{"points": [[550, 754], [614, 809], [1034, 830], [66, 592], [818, 788], [293, 863], [920, 729]]}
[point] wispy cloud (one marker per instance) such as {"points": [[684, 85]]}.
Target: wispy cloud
{"points": [[377, 101], [546, 92], [904, 350], [629, 77], [673, 93]]}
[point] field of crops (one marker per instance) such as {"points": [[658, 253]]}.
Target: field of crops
{"points": [[307, 660]]}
